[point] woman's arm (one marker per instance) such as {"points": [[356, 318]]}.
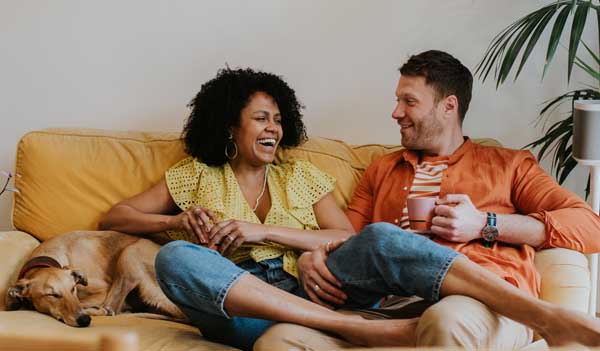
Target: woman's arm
{"points": [[230, 234], [331, 219], [148, 212]]}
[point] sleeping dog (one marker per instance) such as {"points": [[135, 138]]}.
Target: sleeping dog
{"points": [[91, 273]]}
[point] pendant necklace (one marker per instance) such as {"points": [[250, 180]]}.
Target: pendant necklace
{"points": [[263, 190]]}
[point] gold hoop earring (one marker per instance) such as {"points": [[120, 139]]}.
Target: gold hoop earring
{"points": [[235, 150]]}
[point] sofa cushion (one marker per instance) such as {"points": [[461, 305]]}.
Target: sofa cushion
{"points": [[345, 162], [70, 177], [153, 334]]}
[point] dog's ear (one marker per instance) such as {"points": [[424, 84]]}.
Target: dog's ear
{"points": [[79, 277], [16, 294]]}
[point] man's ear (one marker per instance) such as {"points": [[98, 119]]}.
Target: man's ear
{"points": [[79, 277], [451, 105], [16, 294]]}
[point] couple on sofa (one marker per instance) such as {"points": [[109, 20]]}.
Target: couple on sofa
{"points": [[230, 211]]}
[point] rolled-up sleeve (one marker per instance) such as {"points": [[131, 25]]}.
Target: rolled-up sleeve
{"points": [[360, 208], [570, 223]]}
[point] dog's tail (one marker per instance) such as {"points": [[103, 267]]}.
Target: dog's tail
{"points": [[159, 317]]}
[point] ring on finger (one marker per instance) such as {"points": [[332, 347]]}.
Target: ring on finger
{"points": [[316, 288], [228, 238], [327, 246]]}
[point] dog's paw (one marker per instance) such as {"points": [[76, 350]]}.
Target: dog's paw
{"points": [[99, 311]]}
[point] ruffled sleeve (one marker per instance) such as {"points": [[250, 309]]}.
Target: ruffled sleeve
{"points": [[183, 180], [304, 186]]}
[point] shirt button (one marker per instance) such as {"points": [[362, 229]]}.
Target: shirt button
{"points": [[405, 188], [396, 220]]}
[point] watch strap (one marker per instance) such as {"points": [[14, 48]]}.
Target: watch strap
{"points": [[490, 222]]}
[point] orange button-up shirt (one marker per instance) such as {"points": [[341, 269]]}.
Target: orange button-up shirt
{"points": [[497, 180]]}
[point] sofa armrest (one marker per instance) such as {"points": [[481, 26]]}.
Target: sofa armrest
{"points": [[15, 247], [565, 278]]}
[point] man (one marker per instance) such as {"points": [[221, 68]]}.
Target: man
{"points": [[496, 206]]}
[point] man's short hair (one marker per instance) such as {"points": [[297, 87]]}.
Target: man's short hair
{"points": [[445, 74]]}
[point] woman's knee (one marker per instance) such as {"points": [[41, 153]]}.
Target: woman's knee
{"points": [[176, 256]]}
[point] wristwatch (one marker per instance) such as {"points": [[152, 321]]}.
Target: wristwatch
{"points": [[490, 231]]}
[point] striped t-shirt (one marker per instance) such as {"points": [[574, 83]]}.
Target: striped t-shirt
{"points": [[428, 178]]}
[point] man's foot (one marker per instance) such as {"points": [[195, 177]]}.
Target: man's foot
{"points": [[567, 327], [390, 332]]}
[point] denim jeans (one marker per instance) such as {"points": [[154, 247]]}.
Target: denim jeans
{"points": [[381, 260]]}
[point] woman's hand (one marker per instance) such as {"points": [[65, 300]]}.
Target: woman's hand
{"points": [[196, 221], [227, 236], [318, 282]]}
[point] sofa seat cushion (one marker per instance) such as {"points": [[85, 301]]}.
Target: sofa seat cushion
{"points": [[153, 334]]}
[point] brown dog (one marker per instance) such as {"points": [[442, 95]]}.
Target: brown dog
{"points": [[109, 265]]}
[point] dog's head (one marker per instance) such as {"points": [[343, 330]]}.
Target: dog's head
{"points": [[51, 291]]}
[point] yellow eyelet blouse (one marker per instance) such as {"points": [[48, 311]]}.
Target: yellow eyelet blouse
{"points": [[294, 187]]}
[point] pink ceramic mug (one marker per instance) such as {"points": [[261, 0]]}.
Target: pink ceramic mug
{"points": [[421, 212]]}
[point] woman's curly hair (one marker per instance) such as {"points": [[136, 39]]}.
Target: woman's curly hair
{"points": [[216, 108]]}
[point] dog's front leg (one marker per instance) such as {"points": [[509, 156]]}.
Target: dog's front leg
{"points": [[99, 311]]}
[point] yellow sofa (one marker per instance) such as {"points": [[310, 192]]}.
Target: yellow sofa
{"points": [[71, 177]]}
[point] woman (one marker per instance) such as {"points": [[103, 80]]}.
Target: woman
{"points": [[249, 215]]}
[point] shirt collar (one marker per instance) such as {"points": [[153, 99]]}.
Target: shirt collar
{"points": [[413, 156]]}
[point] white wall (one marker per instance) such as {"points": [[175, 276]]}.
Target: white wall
{"points": [[136, 64]]}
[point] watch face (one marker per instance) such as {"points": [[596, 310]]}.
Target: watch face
{"points": [[489, 233]]}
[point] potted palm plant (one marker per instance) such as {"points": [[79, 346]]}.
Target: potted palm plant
{"points": [[510, 49]]}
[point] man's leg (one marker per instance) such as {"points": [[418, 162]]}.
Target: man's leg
{"points": [[383, 259], [462, 321]]}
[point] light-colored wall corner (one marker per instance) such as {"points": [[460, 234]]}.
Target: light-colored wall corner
{"points": [[135, 64]]}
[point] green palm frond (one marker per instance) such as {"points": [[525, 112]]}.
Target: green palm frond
{"points": [[559, 26], [522, 36], [576, 30]]}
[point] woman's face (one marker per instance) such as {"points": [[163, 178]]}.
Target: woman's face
{"points": [[259, 132]]}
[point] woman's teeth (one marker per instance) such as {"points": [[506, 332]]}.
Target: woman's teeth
{"points": [[267, 141]]}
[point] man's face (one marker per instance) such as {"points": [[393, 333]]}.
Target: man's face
{"points": [[420, 117]]}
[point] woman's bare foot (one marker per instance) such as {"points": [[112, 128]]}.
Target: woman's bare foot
{"points": [[565, 327], [389, 332]]}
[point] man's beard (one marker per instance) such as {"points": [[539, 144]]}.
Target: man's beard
{"points": [[424, 133]]}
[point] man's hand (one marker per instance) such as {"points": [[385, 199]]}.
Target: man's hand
{"points": [[321, 286], [456, 219]]}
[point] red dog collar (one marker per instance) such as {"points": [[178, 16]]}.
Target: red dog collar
{"points": [[36, 262]]}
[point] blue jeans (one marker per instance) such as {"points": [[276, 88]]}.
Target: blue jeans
{"points": [[382, 260]]}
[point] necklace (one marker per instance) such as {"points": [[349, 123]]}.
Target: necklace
{"points": [[262, 191]]}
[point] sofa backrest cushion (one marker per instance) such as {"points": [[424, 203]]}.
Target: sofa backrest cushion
{"points": [[70, 177]]}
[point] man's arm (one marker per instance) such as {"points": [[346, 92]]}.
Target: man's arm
{"points": [[458, 220], [569, 222], [550, 216]]}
